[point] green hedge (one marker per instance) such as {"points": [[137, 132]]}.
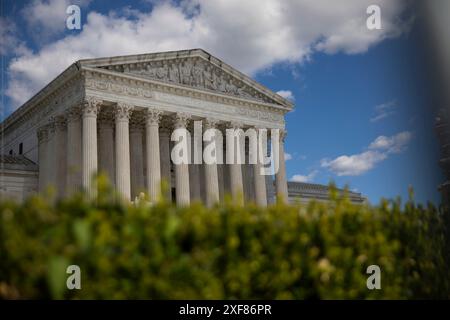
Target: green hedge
{"points": [[165, 252]]}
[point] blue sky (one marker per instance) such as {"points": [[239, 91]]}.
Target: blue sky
{"points": [[363, 112], [336, 97]]}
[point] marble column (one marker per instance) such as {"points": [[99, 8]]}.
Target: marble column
{"points": [[281, 181], [74, 150], [60, 155], [90, 109], [234, 142], [226, 172], [106, 146], [123, 180], [42, 134], [137, 157], [220, 166], [165, 162], [153, 160], [182, 169], [194, 169], [211, 175], [247, 173], [259, 179], [51, 155]]}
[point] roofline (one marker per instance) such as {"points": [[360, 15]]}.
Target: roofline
{"points": [[71, 71], [325, 187], [76, 67], [101, 71], [198, 52]]}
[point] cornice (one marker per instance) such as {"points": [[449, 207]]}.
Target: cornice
{"points": [[112, 81], [182, 54], [52, 90], [70, 86]]}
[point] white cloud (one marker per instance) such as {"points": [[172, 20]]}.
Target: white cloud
{"points": [[394, 144], [9, 43], [250, 35], [384, 110], [354, 165], [287, 156], [304, 178], [286, 94], [379, 150]]}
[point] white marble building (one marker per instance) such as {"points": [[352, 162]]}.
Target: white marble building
{"points": [[116, 115]]}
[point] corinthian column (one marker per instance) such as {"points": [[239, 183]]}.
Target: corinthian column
{"points": [[258, 178], [74, 150], [153, 118], [60, 155], [165, 162], [137, 156], [235, 156], [51, 155], [281, 182], [42, 134], [194, 171], [211, 176], [90, 109], [220, 165], [106, 146], [123, 183], [182, 168]]}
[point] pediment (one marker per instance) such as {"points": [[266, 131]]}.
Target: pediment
{"points": [[193, 71]]}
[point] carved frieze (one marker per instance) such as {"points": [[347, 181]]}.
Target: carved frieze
{"points": [[107, 85], [192, 72]]}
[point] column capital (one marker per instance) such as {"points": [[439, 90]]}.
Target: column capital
{"points": [[51, 126], [211, 123], [235, 125], [182, 120], [106, 120], [91, 106], [123, 111], [166, 124], [42, 134], [60, 123], [164, 131], [153, 116], [259, 127], [73, 113], [137, 123]]}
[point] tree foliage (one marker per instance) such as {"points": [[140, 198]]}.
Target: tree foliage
{"points": [[319, 250]]}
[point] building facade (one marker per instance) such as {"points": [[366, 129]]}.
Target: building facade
{"points": [[18, 177], [116, 115]]}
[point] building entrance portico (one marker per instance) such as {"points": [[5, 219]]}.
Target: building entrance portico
{"points": [[118, 116]]}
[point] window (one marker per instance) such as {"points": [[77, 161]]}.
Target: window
{"points": [[10, 152], [21, 148]]}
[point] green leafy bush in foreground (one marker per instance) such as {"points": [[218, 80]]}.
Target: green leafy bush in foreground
{"points": [[165, 252]]}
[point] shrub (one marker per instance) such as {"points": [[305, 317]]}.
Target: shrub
{"points": [[319, 250]]}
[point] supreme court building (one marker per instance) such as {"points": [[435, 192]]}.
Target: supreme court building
{"points": [[116, 115]]}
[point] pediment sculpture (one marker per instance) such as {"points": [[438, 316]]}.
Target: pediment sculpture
{"points": [[195, 73]]}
